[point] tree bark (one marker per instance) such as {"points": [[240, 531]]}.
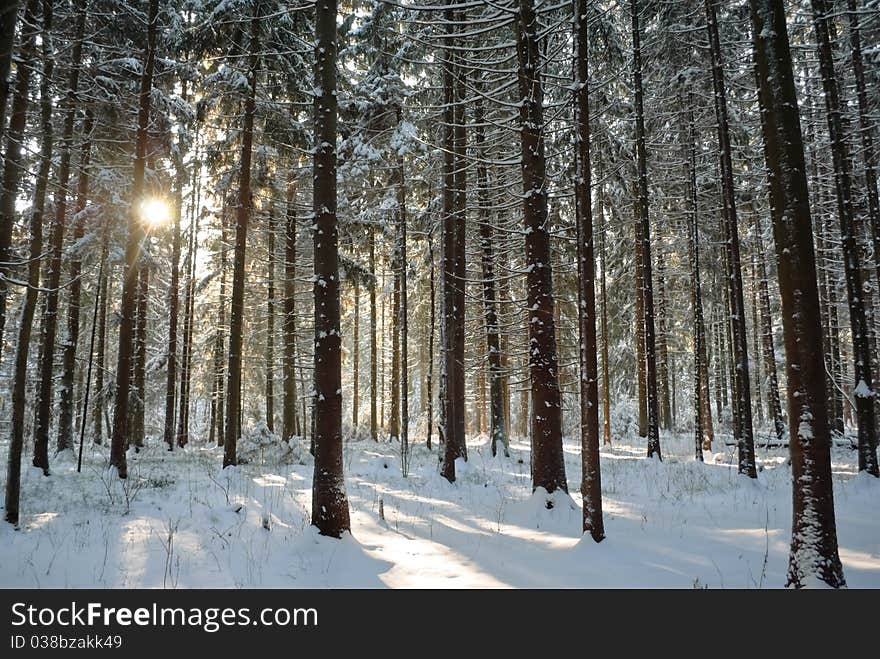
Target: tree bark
{"points": [[329, 501], [132, 250], [814, 555], [744, 436], [13, 166], [864, 391], [289, 324], [548, 465], [29, 305], [644, 237], [243, 216], [591, 484]]}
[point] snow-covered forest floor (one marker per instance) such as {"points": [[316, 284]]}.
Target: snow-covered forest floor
{"points": [[182, 521]]}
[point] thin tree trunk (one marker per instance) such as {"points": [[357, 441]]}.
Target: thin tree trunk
{"points": [[493, 333], [863, 392], [773, 403], [374, 420], [289, 324], [744, 436], [603, 318], [174, 300], [68, 359], [52, 278], [100, 394], [644, 236], [703, 433], [356, 354], [432, 323], [138, 394], [13, 166], [270, 326], [67, 398], [8, 17], [29, 305], [132, 250], [243, 216], [591, 485]]}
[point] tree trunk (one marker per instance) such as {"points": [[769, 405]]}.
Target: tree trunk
{"points": [[863, 392], [356, 355], [52, 278], [100, 394], [174, 298], [591, 485], [773, 403], [374, 420], [744, 436], [814, 554], [432, 322], [498, 434], [132, 249], [644, 237], [12, 162], [404, 321], [8, 16], [289, 324], [547, 457], [138, 394], [329, 501], [68, 360], [243, 216], [452, 391], [703, 432], [270, 326], [603, 318], [29, 305]]}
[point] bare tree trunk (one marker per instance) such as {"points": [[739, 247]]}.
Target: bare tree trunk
{"points": [[703, 433], [52, 278], [8, 16], [814, 555], [289, 324], [329, 501], [773, 403], [270, 326], [548, 463], [174, 300], [591, 485], [67, 398], [404, 315], [374, 420], [138, 392], [29, 305], [863, 392], [433, 319], [243, 216], [132, 249], [493, 333], [603, 318], [744, 436], [100, 394], [452, 391], [356, 354], [68, 359], [12, 162], [644, 236]]}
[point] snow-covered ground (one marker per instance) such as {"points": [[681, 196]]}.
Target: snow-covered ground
{"points": [[181, 521]]}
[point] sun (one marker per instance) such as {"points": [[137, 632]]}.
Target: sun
{"points": [[155, 212]]}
